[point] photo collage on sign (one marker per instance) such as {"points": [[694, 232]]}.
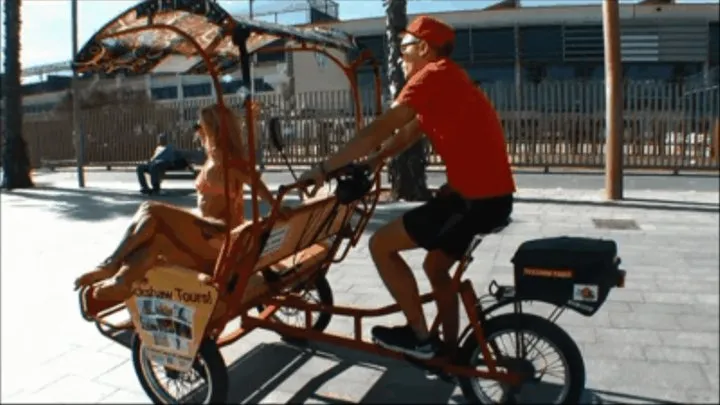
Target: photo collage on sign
{"points": [[169, 359], [169, 322]]}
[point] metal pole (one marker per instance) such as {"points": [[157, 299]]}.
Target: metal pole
{"points": [[78, 136], [613, 101], [259, 139], [252, 63]]}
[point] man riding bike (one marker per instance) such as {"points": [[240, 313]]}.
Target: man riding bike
{"points": [[440, 101]]}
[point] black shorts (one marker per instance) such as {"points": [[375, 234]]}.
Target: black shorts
{"points": [[449, 222]]}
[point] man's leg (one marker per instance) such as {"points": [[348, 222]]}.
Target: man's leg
{"points": [[157, 170], [437, 266], [141, 169], [420, 227], [385, 247]]}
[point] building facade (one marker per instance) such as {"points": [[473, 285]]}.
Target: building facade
{"points": [[660, 41]]}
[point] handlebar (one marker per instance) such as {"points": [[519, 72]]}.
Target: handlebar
{"points": [[352, 168]]}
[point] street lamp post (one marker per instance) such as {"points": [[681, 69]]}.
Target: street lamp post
{"points": [[78, 136], [613, 101], [258, 139]]}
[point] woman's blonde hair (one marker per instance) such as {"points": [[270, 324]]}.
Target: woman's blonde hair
{"points": [[210, 118]]}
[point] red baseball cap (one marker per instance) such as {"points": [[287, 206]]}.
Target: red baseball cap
{"points": [[431, 30]]}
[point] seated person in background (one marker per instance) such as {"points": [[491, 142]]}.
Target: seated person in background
{"points": [[165, 157], [163, 234]]}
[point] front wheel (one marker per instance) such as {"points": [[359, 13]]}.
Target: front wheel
{"points": [[552, 362], [205, 383]]}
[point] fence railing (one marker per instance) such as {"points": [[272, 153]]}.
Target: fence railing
{"points": [[548, 124]]}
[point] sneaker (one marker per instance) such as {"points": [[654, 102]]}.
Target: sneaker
{"points": [[403, 339]]}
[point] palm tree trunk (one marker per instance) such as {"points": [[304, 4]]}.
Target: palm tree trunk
{"points": [[16, 164], [407, 171]]}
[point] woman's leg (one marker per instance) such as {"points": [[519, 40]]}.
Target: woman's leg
{"points": [[150, 219], [161, 250]]}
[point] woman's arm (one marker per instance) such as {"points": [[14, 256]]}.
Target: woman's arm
{"points": [[264, 193]]}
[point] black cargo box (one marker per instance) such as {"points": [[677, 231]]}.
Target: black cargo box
{"points": [[574, 271]]}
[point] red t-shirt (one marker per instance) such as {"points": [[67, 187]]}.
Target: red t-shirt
{"points": [[463, 127]]}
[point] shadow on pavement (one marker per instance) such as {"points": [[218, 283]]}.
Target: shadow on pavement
{"points": [[267, 369], [631, 203], [97, 204]]}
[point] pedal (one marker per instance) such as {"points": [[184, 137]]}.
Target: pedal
{"points": [[431, 372]]}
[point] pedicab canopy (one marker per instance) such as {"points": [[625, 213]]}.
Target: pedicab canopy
{"points": [[161, 50]]}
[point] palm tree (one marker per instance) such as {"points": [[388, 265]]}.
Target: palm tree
{"points": [[16, 164], [407, 171]]}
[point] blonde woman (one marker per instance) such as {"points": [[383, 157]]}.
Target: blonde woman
{"points": [[165, 234]]}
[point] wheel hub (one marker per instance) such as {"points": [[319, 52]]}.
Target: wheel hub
{"points": [[523, 367]]}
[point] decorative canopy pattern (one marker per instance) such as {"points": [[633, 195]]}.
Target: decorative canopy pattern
{"points": [[162, 50]]}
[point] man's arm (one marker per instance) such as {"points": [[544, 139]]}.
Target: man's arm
{"points": [[371, 137], [406, 137]]}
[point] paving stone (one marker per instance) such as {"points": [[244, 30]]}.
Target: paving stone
{"points": [[707, 340], [698, 323], [69, 390], [628, 336], [655, 340], [655, 321], [628, 351], [125, 397], [675, 354]]}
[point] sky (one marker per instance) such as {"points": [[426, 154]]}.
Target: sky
{"points": [[46, 29]]}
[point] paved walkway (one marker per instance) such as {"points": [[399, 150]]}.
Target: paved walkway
{"points": [[654, 341]]}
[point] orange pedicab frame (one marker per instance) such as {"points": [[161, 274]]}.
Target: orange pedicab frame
{"points": [[240, 256]]}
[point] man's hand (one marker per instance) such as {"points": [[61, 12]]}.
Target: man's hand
{"points": [[316, 174], [374, 160]]}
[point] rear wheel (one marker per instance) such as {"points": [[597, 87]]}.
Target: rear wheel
{"points": [[205, 383], [316, 291], [553, 365]]}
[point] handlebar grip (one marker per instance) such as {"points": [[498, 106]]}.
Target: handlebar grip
{"points": [[303, 185]]}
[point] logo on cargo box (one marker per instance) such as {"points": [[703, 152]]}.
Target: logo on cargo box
{"points": [[528, 271], [579, 306], [585, 292]]}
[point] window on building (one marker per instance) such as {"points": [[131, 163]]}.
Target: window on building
{"points": [[493, 45], [274, 57], [376, 45], [38, 108], [714, 42], [597, 72], [262, 86], [541, 43], [650, 71], [462, 51], [583, 42], [164, 93], [560, 72], [231, 87], [366, 79], [197, 90], [484, 74]]}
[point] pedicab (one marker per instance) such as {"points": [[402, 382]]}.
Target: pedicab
{"points": [[178, 317]]}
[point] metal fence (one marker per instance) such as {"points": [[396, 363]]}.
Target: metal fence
{"points": [[550, 124]]}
